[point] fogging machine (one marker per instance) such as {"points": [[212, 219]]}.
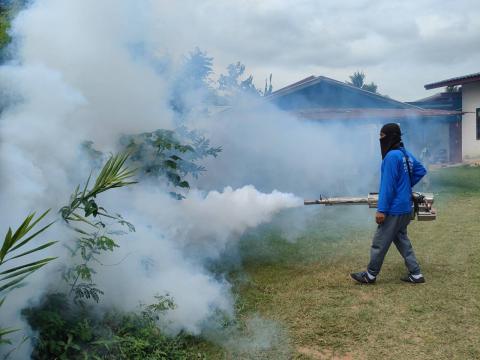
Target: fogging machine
{"points": [[422, 209]]}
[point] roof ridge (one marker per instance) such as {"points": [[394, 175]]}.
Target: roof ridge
{"points": [[370, 93], [312, 80], [297, 84]]}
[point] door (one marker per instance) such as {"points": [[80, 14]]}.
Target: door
{"points": [[456, 141]]}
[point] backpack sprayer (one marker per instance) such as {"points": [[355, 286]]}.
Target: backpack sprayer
{"points": [[422, 204]]}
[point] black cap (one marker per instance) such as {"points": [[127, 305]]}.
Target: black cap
{"points": [[391, 129]]}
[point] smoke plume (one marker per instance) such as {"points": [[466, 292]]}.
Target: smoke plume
{"points": [[77, 75]]}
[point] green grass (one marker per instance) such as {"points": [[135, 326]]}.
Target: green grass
{"points": [[305, 287]]}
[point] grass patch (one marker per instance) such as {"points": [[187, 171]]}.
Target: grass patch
{"points": [[456, 180], [304, 285]]}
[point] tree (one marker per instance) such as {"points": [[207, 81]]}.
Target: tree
{"points": [[231, 83], [358, 80], [192, 85], [268, 86], [4, 25], [197, 68], [171, 155], [8, 9]]}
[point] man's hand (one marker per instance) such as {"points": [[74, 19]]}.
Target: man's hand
{"points": [[379, 218]]}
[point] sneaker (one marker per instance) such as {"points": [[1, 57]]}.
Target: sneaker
{"points": [[410, 279], [362, 278]]}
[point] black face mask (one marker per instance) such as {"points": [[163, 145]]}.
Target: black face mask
{"points": [[391, 140]]}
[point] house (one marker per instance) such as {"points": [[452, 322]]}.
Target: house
{"points": [[319, 98], [469, 125], [450, 101]]}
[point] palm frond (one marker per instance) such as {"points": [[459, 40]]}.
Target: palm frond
{"points": [[114, 174], [19, 239]]}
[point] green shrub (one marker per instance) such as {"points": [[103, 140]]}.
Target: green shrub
{"points": [[70, 331]]}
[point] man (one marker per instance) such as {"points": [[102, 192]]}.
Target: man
{"points": [[399, 173]]}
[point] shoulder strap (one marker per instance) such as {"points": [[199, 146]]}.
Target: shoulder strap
{"points": [[408, 165]]}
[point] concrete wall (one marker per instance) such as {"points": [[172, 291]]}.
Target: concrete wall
{"points": [[470, 102]]}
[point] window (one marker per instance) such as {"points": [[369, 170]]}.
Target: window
{"points": [[478, 123]]}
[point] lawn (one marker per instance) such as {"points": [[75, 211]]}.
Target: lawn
{"points": [[304, 285]]}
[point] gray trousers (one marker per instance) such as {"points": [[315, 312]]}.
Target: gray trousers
{"points": [[393, 229]]}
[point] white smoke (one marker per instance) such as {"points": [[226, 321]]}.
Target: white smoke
{"points": [[207, 223], [60, 99], [175, 238], [271, 149], [77, 78]]}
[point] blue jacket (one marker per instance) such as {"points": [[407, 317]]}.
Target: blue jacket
{"points": [[395, 195]]}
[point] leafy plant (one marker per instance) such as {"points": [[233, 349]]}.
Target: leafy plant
{"points": [[163, 303], [14, 248], [161, 154], [113, 175], [94, 236]]}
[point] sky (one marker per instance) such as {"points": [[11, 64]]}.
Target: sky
{"points": [[399, 45]]}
